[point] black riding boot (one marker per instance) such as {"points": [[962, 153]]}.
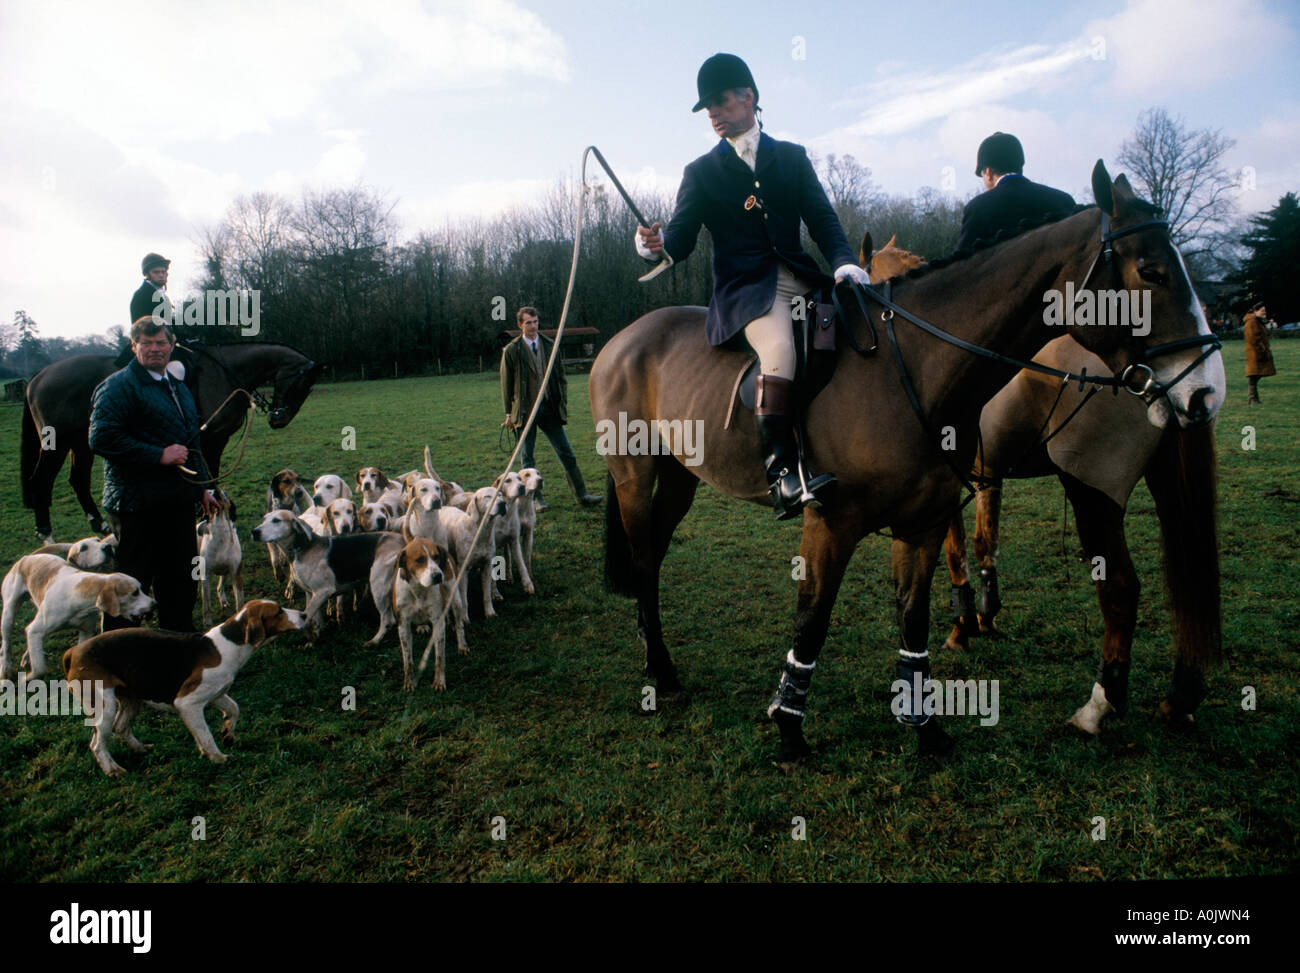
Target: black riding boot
{"points": [[792, 488]]}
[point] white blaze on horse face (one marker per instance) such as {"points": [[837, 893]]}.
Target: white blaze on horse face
{"points": [[1209, 374]]}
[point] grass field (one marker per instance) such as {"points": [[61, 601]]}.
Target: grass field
{"points": [[541, 731]]}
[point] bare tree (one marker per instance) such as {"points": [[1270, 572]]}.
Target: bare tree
{"points": [[1181, 171]]}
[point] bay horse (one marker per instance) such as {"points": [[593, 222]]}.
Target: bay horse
{"points": [[890, 462], [1099, 446], [56, 417]]}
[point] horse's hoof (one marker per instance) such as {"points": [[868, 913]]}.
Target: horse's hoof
{"points": [[958, 641], [989, 628], [1174, 720], [933, 741], [677, 698]]}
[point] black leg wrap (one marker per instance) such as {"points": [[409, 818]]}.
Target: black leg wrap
{"points": [[989, 602], [909, 706], [792, 694], [1114, 680], [963, 602], [1187, 688]]}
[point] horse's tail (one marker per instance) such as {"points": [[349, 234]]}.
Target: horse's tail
{"points": [[618, 549], [31, 456], [1182, 477]]}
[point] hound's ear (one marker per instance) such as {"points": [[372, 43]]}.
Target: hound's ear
{"points": [[232, 509], [496, 484], [254, 627], [302, 530], [347, 491], [107, 600], [383, 481], [329, 517], [358, 479]]}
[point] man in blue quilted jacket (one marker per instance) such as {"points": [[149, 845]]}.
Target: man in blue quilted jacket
{"points": [[753, 192], [146, 426]]}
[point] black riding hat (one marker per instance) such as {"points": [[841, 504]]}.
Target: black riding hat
{"points": [[1002, 152], [152, 260], [720, 72]]}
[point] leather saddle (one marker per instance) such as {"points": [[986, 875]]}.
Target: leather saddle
{"points": [[815, 352]]}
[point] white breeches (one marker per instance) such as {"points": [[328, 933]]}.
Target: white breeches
{"points": [[771, 336]]}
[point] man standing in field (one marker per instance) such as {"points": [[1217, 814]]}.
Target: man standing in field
{"points": [[146, 427], [523, 362]]}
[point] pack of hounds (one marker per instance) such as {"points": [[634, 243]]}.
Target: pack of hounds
{"points": [[412, 543]]}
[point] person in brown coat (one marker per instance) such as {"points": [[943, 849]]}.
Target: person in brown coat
{"points": [[1259, 360]]}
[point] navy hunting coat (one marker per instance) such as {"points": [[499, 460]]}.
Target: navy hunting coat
{"points": [[132, 418], [750, 244], [1013, 199], [143, 303]]}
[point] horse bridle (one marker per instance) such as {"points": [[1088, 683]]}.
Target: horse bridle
{"points": [[1149, 387], [259, 399]]}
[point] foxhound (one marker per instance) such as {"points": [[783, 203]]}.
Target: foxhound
{"points": [[329, 488], [380, 515], [116, 672], [423, 591], [329, 566], [376, 488], [528, 513], [286, 492], [454, 529], [220, 556], [97, 554], [340, 518], [509, 532], [65, 597]]}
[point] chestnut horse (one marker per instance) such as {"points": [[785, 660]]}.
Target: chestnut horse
{"points": [[56, 419], [1099, 446], [889, 461]]}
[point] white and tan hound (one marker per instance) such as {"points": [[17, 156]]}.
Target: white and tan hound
{"points": [[65, 597]]}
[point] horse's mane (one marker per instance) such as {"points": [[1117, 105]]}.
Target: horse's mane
{"points": [[1024, 226]]}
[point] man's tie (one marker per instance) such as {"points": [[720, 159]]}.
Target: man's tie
{"points": [[171, 387]]}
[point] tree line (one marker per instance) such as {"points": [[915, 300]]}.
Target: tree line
{"points": [[335, 280]]}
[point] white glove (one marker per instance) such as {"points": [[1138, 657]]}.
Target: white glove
{"points": [[853, 272], [641, 249]]}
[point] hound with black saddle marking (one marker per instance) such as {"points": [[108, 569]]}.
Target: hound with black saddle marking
{"points": [[329, 566], [65, 597], [115, 673]]}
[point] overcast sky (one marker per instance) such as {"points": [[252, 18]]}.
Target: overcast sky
{"points": [[128, 128]]}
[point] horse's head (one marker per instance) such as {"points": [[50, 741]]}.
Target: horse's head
{"points": [[889, 261], [292, 383], [1136, 309]]}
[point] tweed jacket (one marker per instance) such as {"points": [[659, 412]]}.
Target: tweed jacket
{"points": [[520, 381], [750, 244], [132, 419], [1013, 199]]}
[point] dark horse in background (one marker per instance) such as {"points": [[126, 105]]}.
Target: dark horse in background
{"points": [[56, 420], [890, 461]]}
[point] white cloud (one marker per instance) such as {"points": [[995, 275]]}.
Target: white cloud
{"points": [[905, 101], [1162, 47]]}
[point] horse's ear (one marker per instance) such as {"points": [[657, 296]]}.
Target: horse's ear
{"points": [[1122, 191], [1101, 188], [864, 251], [893, 240]]}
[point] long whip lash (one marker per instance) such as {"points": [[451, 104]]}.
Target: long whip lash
{"points": [[532, 416]]}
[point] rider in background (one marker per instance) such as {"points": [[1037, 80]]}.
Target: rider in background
{"points": [[1009, 196], [752, 192]]}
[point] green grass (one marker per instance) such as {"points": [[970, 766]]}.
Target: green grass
{"points": [[542, 723]]}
